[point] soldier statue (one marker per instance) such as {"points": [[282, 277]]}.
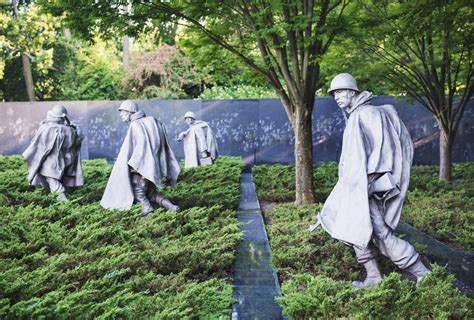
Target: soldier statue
{"points": [[144, 161]]}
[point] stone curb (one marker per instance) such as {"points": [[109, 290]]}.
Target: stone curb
{"points": [[460, 263]]}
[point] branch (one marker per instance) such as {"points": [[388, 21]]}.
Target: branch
{"points": [[305, 35], [426, 68], [281, 54], [322, 18], [401, 80], [335, 30], [433, 71], [15, 8], [214, 37], [337, 3], [306, 51], [466, 96], [457, 120], [271, 63], [408, 81], [413, 76], [293, 43]]}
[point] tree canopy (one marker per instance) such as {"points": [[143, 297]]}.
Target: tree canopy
{"points": [[427, 46], [238, 49], [27, 38]]}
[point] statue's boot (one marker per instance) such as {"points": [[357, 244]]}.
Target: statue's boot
{"points": [[160, 200], [373, 275], [140, 197], [61, 197], [419, 270], [165, 203]]}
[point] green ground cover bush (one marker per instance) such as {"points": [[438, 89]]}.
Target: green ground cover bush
{"points": [[276, 183], [315, 271], [77, 260], [295, 250], [309, 296], [202, 186], [442, 209]]}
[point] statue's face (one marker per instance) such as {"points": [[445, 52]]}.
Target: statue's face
{"points": [[344, 97], [125, 115], [189, 120]]}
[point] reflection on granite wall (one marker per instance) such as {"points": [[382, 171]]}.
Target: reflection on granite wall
{"points": [[256, 129]]}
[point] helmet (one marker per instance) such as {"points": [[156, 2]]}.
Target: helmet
{"points": [[190, 114], [129, 105], [58, 111], [343, 81]]}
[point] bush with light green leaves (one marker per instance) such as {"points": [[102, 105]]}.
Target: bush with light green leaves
{"points": [[309, 296], [78, 260], [316, 271], [442, 209]]}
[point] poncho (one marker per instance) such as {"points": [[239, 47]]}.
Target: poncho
{"points": [[145, 150], [375, 141], [199, 137], [55, 152]]}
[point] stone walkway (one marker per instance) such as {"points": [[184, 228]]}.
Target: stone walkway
{"points": [[255, 282]]}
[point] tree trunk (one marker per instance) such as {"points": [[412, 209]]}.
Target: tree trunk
{"points": [[445, 155], [67, 33], [125, 52], [30, 86], [303, 156]]}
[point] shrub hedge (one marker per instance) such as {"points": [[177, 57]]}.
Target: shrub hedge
{"points": [[295, 250], [276, 183], [78, 260], [309, 296], [315, 271], [442, 209]]}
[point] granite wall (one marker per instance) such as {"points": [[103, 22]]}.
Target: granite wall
{"points": [[256, 129]]}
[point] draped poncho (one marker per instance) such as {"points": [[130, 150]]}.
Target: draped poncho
{"points": [[375, 142], [146, 150], [199, 137], [55, 152]]}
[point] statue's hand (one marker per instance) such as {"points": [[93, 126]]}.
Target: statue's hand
{"points": [[78, 129], [180, 136]]}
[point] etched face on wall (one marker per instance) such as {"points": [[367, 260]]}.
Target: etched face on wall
{"points": [[125, 115], [344, 97], [189, 120]]}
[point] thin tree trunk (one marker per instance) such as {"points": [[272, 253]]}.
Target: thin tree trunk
{"points": [[445, 155], [30, 86], [67, 33], [173, 34], [125, 52], [303, 156]]}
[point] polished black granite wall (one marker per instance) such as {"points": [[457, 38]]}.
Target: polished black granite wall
{"points": [[256, 129]]}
